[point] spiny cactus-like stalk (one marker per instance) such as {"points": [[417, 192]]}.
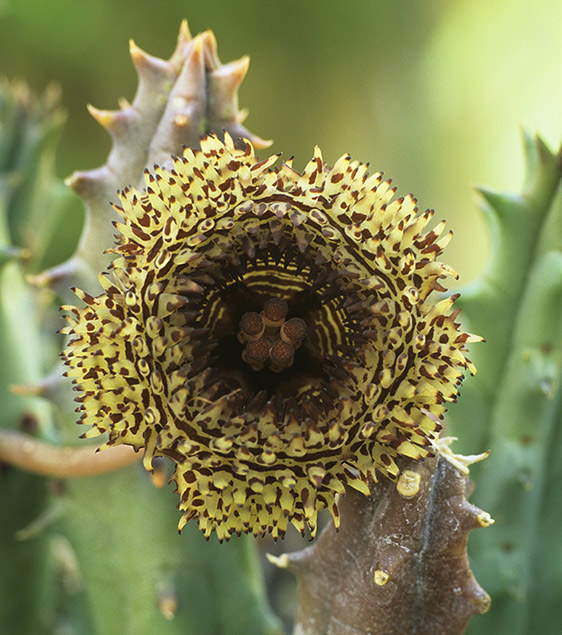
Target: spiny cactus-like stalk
{"points": [[399, 563], [28, 129], [514, 405], [177, 101]]}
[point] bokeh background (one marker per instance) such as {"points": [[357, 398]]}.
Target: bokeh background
{"points": [[433, 93]]}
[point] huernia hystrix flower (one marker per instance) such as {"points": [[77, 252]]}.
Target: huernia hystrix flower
{"points": [[272, 332]]}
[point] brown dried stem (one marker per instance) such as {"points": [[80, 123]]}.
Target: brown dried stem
{"points": [[398, 564], [28, 453]]}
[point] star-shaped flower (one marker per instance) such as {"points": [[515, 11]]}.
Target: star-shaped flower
{"points": [[272, 332]]}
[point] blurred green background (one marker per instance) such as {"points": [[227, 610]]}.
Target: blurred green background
{"points": [[432, 93]]}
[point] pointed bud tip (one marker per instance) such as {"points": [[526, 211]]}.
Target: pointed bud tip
{"points": [[70, 181], [136, 52], [106, 118], [484, 519], [210, 47], [40, 280], [494, 200], [197, 47], [184, 40], [258, 142], [185, 33], [234, 72], [282, 561]]}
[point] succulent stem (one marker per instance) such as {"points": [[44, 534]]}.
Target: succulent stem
{"points": [[28, 453], [514, 405], [398, 564]]}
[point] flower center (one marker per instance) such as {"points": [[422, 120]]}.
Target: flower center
{"points": [[274, 329], [269, 338]]}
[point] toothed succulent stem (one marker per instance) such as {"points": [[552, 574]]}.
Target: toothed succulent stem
{"points": [[177, 101], [27, 128], [398, 564], [514, 405]]}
